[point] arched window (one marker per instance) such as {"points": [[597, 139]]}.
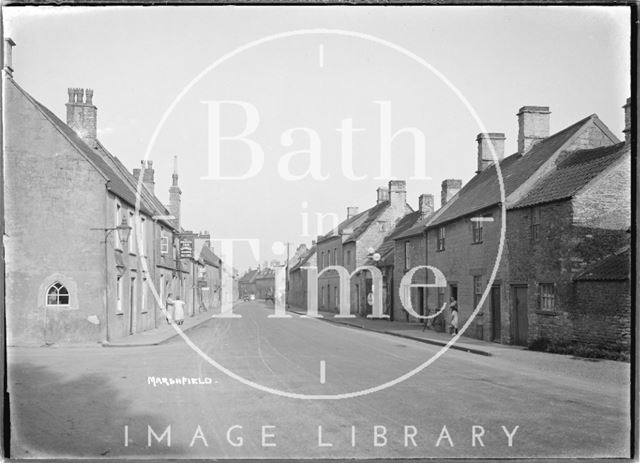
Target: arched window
{"points": [[57, 295]]}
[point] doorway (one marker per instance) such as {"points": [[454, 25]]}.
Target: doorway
{"points": [[519, 318], [496, 330]]}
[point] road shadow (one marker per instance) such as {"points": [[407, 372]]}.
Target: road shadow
{"points": [[54, 415]]}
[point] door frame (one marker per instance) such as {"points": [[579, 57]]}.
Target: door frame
{"points": [[514, 315]]}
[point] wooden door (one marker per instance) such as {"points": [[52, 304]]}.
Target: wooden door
{"points": [[520, 321], [495, 314]]}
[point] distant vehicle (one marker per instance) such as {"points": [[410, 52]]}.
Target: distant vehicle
{"points": [[245, 297], [252, 297], [269, 297]]}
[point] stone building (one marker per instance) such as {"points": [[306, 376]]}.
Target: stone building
{"points": [[554, 225], [352, 242], [247, 283], [265, 283], [385, 259], [297, 295], [82, 264]]}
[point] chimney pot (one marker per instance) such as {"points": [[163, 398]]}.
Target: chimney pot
{"points": [[382, 195], [485, 155], [533, 126], [352, 211], [89, 93], [450, 188]]}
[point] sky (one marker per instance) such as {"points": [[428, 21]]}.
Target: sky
{"points": [[272, 127]]}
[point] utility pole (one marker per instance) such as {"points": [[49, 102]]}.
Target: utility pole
{"points": [[286, 278]]}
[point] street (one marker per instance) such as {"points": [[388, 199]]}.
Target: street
{"points": [[118, 402]]}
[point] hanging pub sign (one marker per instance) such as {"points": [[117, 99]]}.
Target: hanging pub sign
{"points": [[186, 247]]}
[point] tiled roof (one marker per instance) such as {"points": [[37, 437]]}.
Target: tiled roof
{"points": [[483, 190], [573, 173], [304, 259], [248, 277], [387, 246], [147, 199], [267, 273], [350, 223], [370, 215], [614, 267]]}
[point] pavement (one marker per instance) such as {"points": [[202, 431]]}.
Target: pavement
{"points": [[407, 330], [245, 388], [159, 335]]}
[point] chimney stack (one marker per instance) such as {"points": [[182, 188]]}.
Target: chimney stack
{"points": [[351, 212], [425, 205], [8, 56], [398, 196], [82, 114], [627, 121], [533, 126], [147, 175], [174, 196], [450, 188], [383, 195], [485, 142]]}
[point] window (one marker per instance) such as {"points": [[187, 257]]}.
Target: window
{"points": [[57, 295], [547, 296], [322, 260], [143, 236], [476, 227], [132, 240], [348, 257], [336, 296], [535, 224], [407, 255], [164, 244], [440, 246], [119, 294], [133, 296], [477, 291], [335, 256]]}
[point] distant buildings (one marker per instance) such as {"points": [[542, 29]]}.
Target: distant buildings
{"points": [[82, 265]]}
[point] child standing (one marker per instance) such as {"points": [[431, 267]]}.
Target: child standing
{"points": [[453, 324]]}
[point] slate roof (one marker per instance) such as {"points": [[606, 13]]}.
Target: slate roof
{"points": [[266, 273], [483, 190], [387, 246], [304, 259], [573, 173], [209, 257], [370, 215], [352, 222], [248, 277], [118, 181], [614, 267]]}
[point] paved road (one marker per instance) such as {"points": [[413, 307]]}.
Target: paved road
{"points": [[79, 401]]}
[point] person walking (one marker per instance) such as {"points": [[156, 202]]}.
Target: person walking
{"points": [[169, 306], [453, 324], [178, 311]]}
